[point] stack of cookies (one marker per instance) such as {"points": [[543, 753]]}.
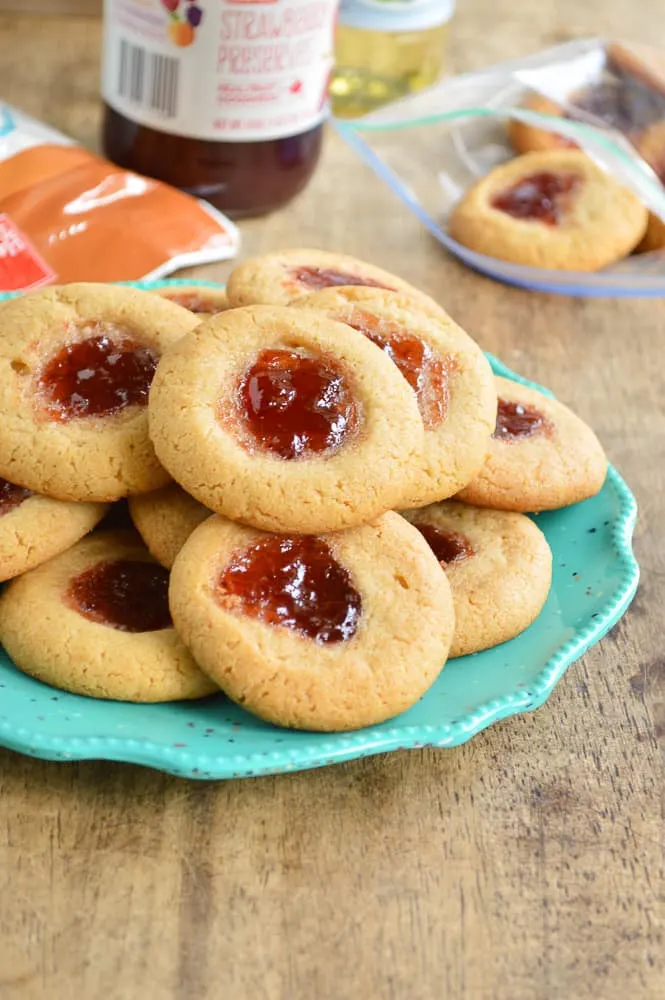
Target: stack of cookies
{"points": [[266, 448]]}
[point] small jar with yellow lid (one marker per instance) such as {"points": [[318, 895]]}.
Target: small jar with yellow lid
{"points": [[386, 49]]}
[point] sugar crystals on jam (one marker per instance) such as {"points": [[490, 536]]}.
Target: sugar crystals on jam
{"points": [[517, 420], [294, 582], [296, 406], [97, 376]]}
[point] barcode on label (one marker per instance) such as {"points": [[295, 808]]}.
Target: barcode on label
{"points": [[148, 79]]}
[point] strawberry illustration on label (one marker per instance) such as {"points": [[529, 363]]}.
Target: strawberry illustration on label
{"points": [[296, 87], [183, 22]]}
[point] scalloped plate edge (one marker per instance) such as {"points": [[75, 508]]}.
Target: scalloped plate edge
{"points": [[179, 762]]}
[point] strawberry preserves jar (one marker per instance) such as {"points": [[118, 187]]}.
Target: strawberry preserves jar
{"points": [[224, 99]]}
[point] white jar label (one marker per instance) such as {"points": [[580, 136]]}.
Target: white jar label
{"points": [[226, 70]]}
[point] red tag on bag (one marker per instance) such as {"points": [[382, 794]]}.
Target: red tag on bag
{"points": [[21, 267]]}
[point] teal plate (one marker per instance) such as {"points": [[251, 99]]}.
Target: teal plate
{"points": [[595, 577]]}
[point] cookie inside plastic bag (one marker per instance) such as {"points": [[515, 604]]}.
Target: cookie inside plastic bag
{"points": [[68, 215], [608, 99]]}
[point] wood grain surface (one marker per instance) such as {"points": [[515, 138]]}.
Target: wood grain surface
{"points": [[526, 865], [89, 7]]}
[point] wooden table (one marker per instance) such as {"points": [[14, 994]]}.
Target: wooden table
{"points": [[526, 865]]}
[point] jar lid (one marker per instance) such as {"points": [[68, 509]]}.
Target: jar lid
{"points": [[395, 15]]}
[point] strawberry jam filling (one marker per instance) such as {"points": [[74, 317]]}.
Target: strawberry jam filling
{"points": [[125, 594], [97, 377], [297, 406], [294, 582]]}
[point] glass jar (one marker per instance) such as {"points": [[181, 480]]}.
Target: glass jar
{"points": [[386, 49], [224, 99]]}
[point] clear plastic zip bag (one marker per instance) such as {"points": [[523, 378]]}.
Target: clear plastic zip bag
{"points": [[459, 130]]}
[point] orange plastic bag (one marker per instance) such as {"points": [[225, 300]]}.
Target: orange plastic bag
{"points": [[67, 215]]}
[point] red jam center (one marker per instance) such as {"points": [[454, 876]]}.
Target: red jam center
{"points": [[448, 546], [317, 278], [294, 582], [543, 196], [126, 594], [297, 406], [516, 420], [427, 374], [11, 496], [196, 303], [97, 376]]}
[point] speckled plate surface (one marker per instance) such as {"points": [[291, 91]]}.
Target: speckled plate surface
{"points": [[595, 578]]}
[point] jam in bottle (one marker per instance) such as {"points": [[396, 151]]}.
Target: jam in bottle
{"points": [[224, 99]]}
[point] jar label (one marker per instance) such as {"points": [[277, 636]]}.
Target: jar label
{"points": [[226, 70]]}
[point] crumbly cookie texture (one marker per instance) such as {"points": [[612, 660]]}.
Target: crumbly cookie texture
{"points": [[452, 379], [47, 638], [197, 433], [397, 652], [165, 519], [281, 278], [600, 221], [98, 458], [530, 139], [500, 588], [40, 528], [203, 300], [559, 466]]}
